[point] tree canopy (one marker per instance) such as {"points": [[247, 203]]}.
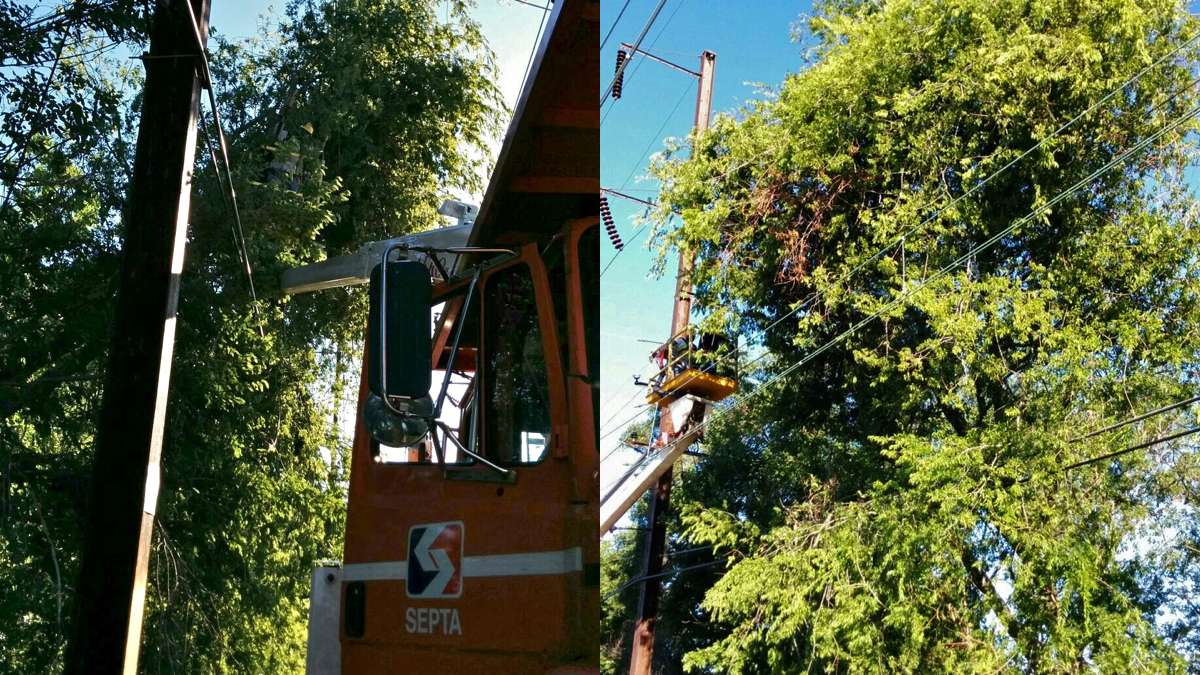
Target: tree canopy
{"points": [[347, 121], [904, 501]]}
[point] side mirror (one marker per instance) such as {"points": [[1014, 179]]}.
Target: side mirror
{"points": [[399, 352]]}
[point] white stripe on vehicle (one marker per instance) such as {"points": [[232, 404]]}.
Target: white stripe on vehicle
{"points": [[503, 565]]}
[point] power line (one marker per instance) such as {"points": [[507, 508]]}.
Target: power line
{"points": [[80, 9], [610, 453], [23, 155], [630, 198], [944, 270], [1076, 465], [216, 167], [618, 412], [1139, 418], [637, 580], [636, 233], [206, 78], [68, 57], [636, 44], [645, 371], [1138, 446], [672, 554], [616, 485], [613, 27], [656, 136], [623, 406], [533, 50]]}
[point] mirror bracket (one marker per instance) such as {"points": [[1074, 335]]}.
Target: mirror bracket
{"points": [[508, 474], [458, 330]]}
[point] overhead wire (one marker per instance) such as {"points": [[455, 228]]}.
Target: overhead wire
{"points": [[628, 198], [1124, 451], [632, 469], [537, 40], [657, 135], [647, 577], [809, 300], [79, 8], [1136, 446], [1138, 418], [22, 156], [69, 57], [900, 238], [618, 412], [216, 167], [654, 41], [206, 77], [613, 27], [970, 254]]}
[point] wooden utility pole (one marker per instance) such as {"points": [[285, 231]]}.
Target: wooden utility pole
{"points": [[111, 589], [643, 634]]}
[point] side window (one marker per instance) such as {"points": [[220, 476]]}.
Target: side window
{"points": [[517, 393]]}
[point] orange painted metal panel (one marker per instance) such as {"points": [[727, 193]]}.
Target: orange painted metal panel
{"points": [[503, 620]]}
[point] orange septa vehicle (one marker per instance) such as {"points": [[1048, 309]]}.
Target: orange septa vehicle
{"points": [[472, 539], [452, 566]]}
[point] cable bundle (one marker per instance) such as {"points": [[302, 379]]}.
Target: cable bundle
{"points": [[606, 216]]}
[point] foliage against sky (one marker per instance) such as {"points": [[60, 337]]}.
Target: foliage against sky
{"points": [[346, 123], [898, 504]]}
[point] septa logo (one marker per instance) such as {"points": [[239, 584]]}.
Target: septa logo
{"points": [[435, 560]]}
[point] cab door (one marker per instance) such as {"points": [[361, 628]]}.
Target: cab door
{"points": [[458, 567]]}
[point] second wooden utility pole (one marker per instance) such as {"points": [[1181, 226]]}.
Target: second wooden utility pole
{"points": [[643, 634], [107, 630]]}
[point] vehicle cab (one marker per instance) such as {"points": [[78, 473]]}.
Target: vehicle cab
{"points": [[472, 530]]}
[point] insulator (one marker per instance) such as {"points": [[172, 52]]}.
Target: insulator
{"points": [[609, 226], [616, 88], [615, 237]]}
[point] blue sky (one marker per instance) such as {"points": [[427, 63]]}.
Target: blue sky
{"points": [[753, 44]]}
